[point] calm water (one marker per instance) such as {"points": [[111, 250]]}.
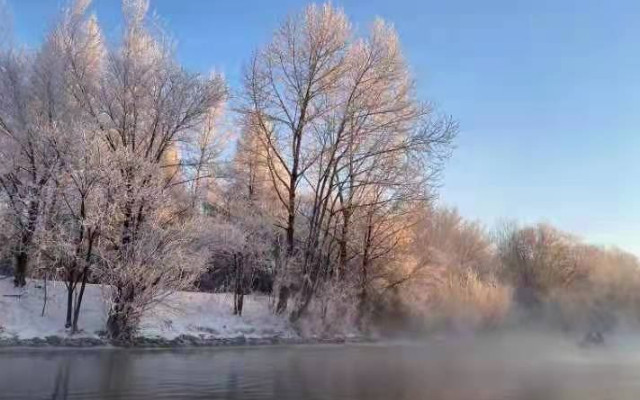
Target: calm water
{"points": [[482, 369]]}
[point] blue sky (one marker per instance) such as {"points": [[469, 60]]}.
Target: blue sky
{"points": [[547, 93]]}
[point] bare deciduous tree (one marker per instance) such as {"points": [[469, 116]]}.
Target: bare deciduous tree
{"points": [[536, 260], [32, 115], [149, 110], [345, 139]]}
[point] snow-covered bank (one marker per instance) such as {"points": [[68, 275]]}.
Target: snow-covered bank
{"points": [[185, 318]]}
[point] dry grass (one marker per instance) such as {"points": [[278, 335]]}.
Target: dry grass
{"points": [[459, 301], [464, 301]]}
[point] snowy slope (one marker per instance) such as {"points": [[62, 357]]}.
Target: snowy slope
{"points": [[202, 315]]}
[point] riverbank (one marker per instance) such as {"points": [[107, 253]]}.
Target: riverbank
{"points": [[185, 319], [182, 341]]}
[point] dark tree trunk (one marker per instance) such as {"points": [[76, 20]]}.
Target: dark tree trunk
{"points": [[44, 302], [308, 288], [70, 290], [121, 321], [238, 292], [20, 271], [305, 299], [118, 323], [22, 255], [283, 299], [283, 292], [76, 312], [344, 236], [291, 208], [291, 220], [239, 302], [85, 276]]}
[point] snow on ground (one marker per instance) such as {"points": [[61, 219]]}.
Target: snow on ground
{"points": [[210, 316], [203, 315], [21, 310]]}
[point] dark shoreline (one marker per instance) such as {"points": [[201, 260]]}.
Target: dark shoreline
{"points": [[182, 341]]}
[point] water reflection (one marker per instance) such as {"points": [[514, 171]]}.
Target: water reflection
{"points": [[477, 370], [61, 387]]}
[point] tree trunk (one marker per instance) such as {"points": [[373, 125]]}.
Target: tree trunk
{"points": [[239, 303], [70, 289], [76, 312], [238, 291], [22, 256], [306, 294], [364, 271], [281, 274], [291, 209], [283, 299], [44, 302], [20, 271], [291, 220], [121, 321], [344, 237], [119, 326], [117, 323]]}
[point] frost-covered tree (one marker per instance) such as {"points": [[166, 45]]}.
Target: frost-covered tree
{"points": [[79, 208], [146, 107], [101, 147], [33, 114], [339, 115], [241, 246], [109, 167]]}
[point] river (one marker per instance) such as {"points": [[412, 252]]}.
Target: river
{"points": [[491, 369]]}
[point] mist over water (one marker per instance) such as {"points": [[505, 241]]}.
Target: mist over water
{"points": [[500, 366]]}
